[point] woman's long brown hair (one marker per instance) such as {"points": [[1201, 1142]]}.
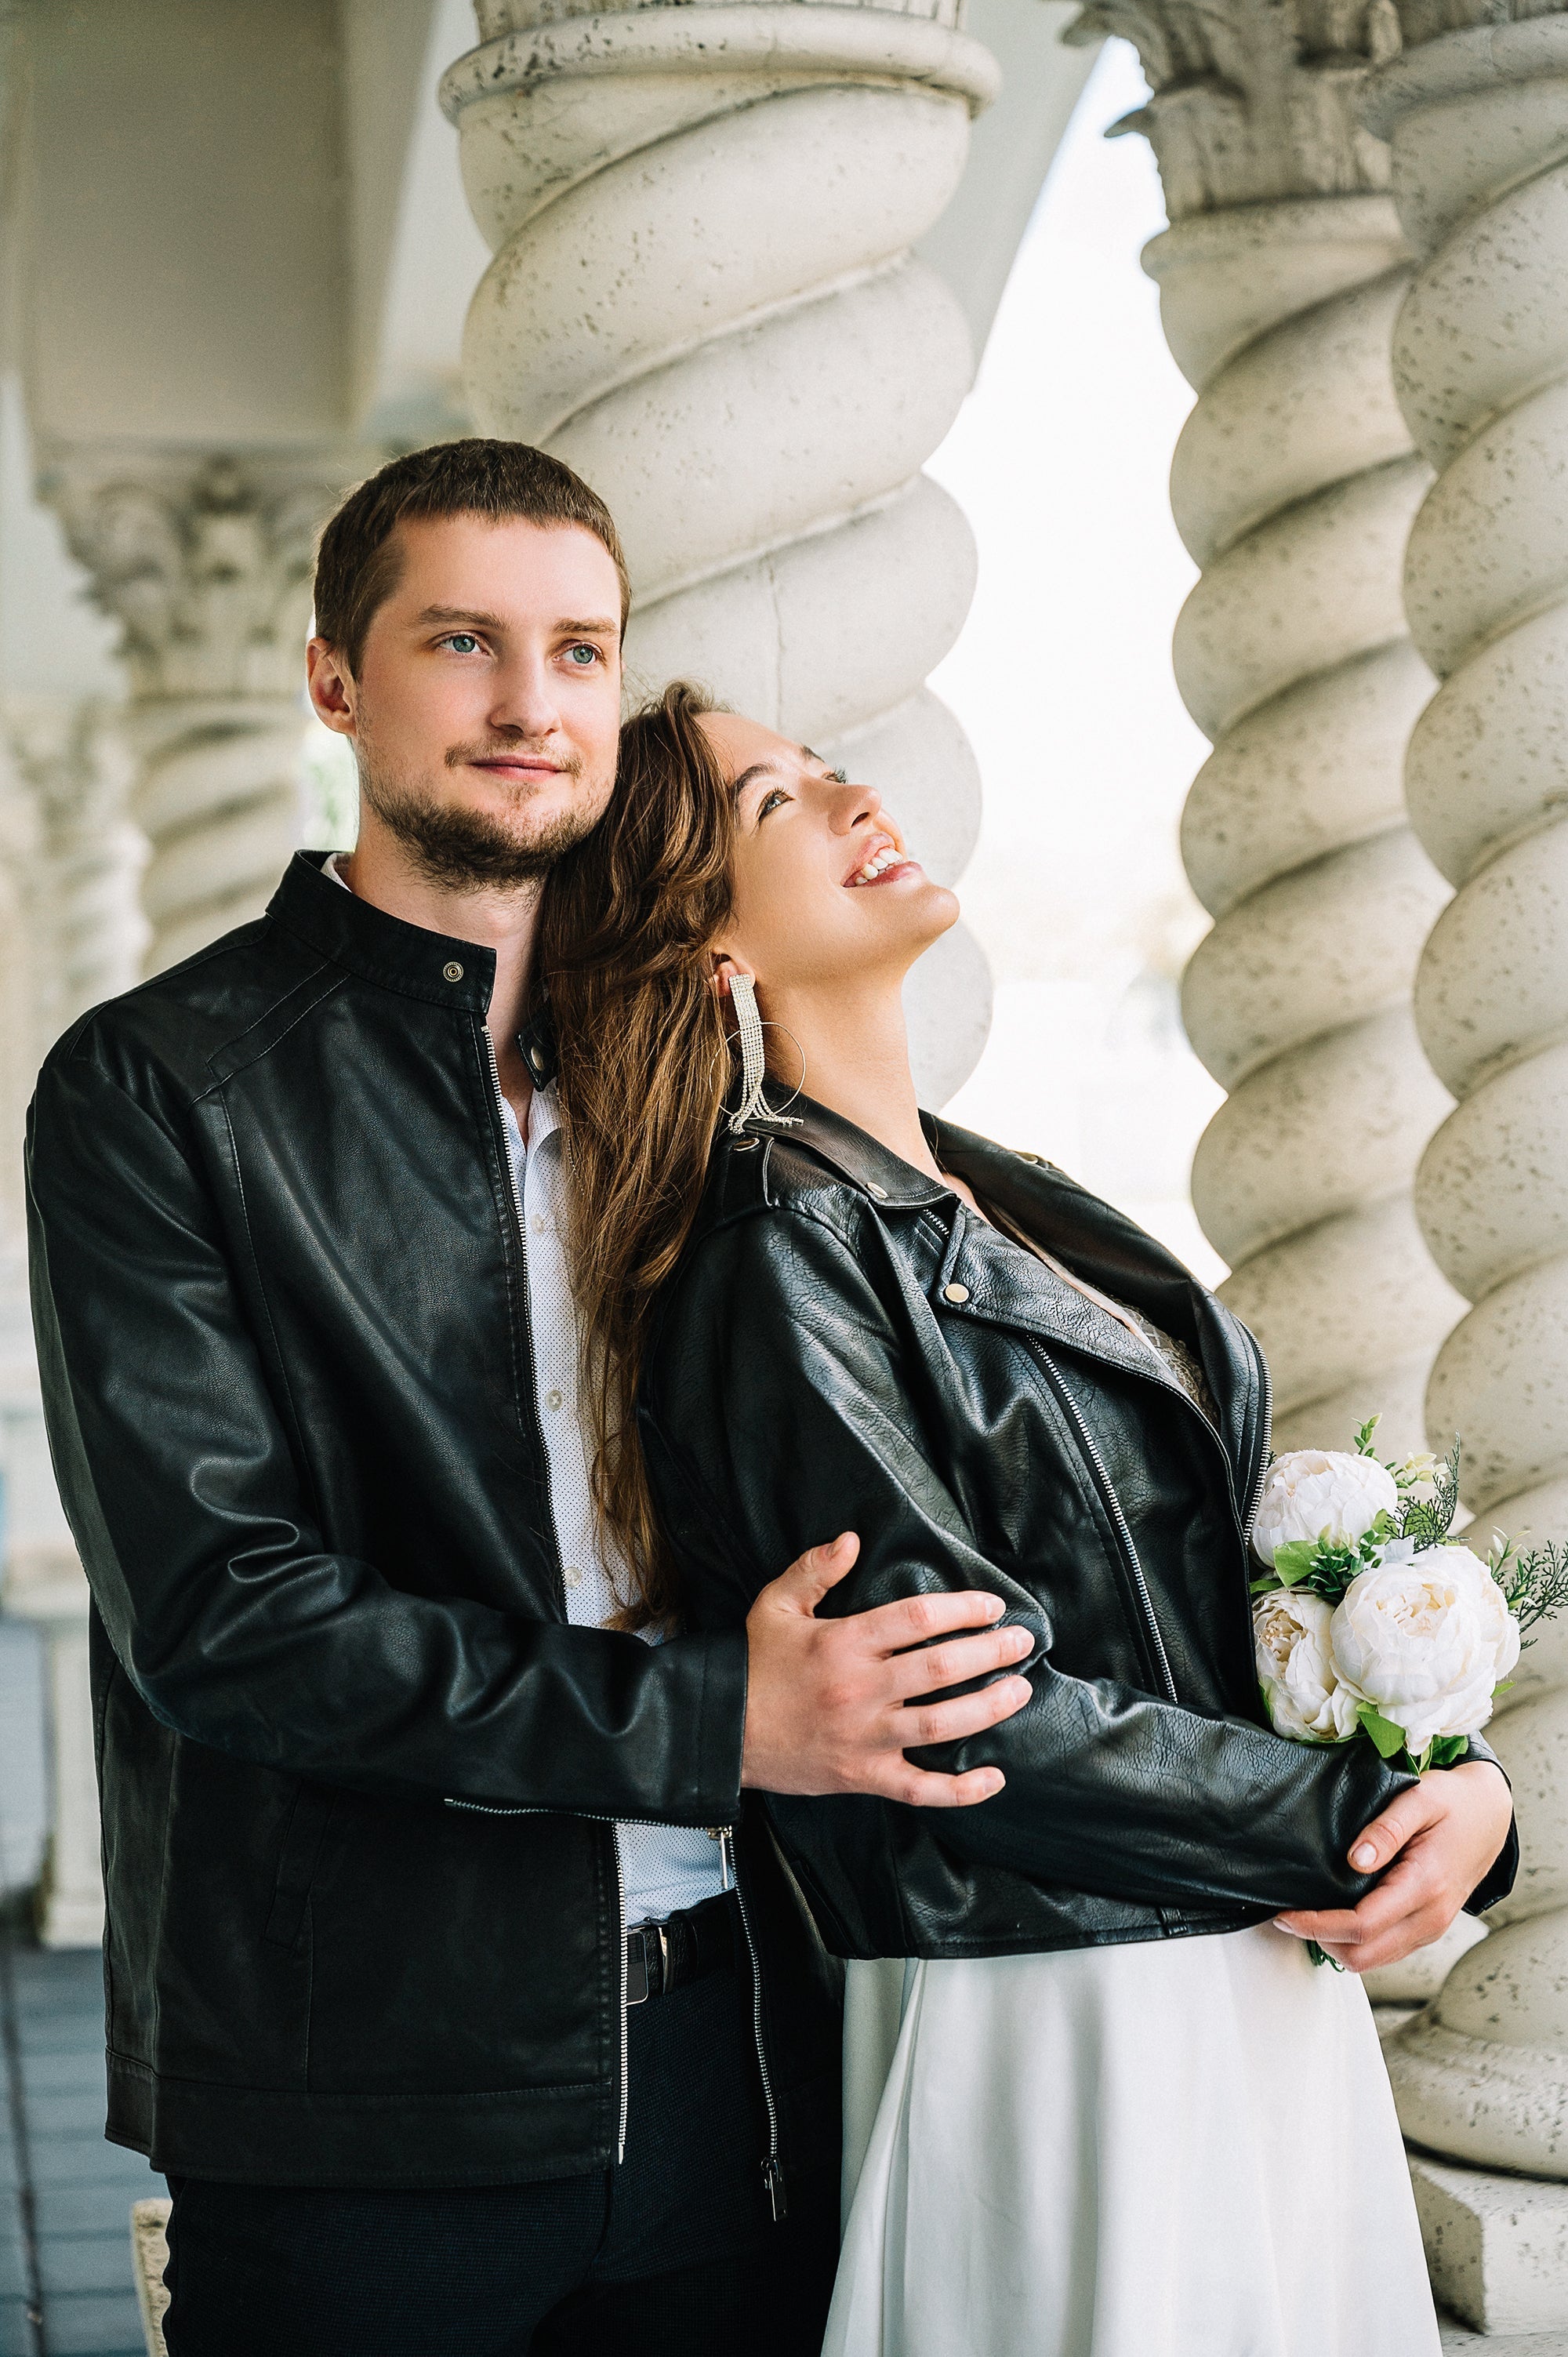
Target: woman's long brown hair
{"points": [[630, 917]]}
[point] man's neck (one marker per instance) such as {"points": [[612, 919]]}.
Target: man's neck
{"points": [[504, 919]]}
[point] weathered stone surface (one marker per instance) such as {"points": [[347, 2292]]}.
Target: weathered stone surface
{"points": [[1497, 2249]]}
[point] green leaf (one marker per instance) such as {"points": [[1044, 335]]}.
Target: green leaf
{"points": [[1387, 1737], [1295, 1561], [1447, 1748], [1364, 1436], [1270, 1586]]}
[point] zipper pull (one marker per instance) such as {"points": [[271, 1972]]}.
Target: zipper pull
{"points": [[721, 1833], [773, 2178]]}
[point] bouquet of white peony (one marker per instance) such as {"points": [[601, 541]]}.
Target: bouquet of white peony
{"points": [[1371, 1620]]}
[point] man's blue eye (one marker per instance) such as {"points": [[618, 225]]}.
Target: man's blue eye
{"points": [[462, 642], [592, 653]]}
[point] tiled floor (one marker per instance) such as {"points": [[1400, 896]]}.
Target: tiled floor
{"points": [[65, 2194]]}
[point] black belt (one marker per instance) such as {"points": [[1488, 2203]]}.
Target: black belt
{"points": [[685, 1947]]}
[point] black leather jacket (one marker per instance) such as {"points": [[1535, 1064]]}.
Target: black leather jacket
{"points": [[845, 1346], [277, 1269]]}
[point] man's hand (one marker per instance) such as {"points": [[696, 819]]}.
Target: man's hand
{"points": [[825, 1699], [1442, 1837]]}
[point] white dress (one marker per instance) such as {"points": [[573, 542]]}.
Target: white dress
{"points": [[1173, 2148]]}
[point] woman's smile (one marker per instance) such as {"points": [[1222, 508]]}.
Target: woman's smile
{"points": [[880, 862]]}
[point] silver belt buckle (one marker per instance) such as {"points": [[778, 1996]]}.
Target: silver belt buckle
{"points": [[637, 1977]]}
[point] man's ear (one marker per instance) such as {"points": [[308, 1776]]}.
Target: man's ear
{"points": [[331, 686]]}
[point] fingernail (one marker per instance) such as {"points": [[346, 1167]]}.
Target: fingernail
{"points": [[1363, 1854]]}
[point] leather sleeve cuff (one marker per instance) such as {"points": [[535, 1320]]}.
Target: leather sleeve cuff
{"points": [[723, 1719], [1498, 1879]]}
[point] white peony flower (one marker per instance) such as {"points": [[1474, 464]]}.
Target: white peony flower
{"points": [[1295, 1667], [1312, 1491], [1427, 1641]]}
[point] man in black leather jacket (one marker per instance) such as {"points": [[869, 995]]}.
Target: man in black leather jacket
{"points": [[372, 2002]]}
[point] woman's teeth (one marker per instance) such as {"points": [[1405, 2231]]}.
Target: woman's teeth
{"points": [[877, 864]]}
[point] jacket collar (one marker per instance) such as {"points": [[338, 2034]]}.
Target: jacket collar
{"points": [[887, 1178], [340, 926]]}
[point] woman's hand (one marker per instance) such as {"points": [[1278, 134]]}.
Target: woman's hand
{"points": [[1442, 1837]]}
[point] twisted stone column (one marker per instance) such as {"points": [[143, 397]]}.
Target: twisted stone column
{"points": [[1294, 485], [1477, 116], [206, 564], [703, 298]]}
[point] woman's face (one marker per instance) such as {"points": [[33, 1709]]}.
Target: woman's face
{"points": [[823, 891]]}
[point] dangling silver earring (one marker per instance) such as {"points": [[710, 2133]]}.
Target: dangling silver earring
{"points": [[753, 1055]]}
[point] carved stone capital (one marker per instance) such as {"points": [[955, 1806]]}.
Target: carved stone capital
{"points": [[1252, 101], [497, 17], [205, 561]]}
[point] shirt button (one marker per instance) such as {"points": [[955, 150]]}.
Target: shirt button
{"points": [[540, 1223], [452, 970], [955, 1293], [551, 1399], [573, 1575]]}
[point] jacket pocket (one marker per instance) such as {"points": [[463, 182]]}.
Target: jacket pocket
{"points": [[296, 1863]]}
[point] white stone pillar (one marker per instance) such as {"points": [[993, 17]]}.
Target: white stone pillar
{"points": [[74, 935], [206, 562], [703, 298], [1477, 116], [1294, 485]]}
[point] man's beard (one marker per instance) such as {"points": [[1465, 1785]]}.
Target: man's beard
{"points": [[451, 844]]}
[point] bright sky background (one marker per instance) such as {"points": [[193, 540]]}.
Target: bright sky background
{"points": [[1062, 679]]}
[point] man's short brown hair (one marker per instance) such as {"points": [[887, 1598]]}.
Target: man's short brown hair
{"points": [[356, 564]]}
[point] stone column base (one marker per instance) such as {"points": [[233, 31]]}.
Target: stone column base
{"points": [[1458, 2338], [1498, 2250]]}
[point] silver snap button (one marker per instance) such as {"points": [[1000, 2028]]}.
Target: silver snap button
{"points": [[872, 1189], [572, 1575], [452, 970], [955, 1293], [551, 1399]]}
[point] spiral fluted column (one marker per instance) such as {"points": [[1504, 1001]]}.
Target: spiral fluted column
{"points": [[703, 298], [1476, 114], [206, 565], [1294, 486]]}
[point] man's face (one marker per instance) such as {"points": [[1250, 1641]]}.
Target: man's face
{"points": [[487, 704]]}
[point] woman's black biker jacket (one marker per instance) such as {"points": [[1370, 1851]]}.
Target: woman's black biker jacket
{"points": [[846, 1346]]}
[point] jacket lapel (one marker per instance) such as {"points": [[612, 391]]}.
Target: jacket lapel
{"points": [[1112, 1251]]}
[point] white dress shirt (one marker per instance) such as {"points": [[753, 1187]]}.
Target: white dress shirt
{"points": [[662, 1866]]}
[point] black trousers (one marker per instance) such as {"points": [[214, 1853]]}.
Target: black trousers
{"points": [[674, 2253]]}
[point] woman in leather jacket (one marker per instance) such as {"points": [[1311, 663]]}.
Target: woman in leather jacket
{"points": [[1123, 2109]]}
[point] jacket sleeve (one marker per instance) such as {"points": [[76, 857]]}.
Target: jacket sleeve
{"points": [[779, 1409], [235, 1621]]}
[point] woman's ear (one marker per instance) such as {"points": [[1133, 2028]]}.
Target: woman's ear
{"points": [[724, 967]]}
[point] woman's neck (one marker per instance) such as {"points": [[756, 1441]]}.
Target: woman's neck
{"points": [[856, 1044]]}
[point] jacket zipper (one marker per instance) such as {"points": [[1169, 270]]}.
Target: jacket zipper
{"points": [[772, 2168], [1244, 1522], [625, 2088], [1091, 1449], [625, 2056]]}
